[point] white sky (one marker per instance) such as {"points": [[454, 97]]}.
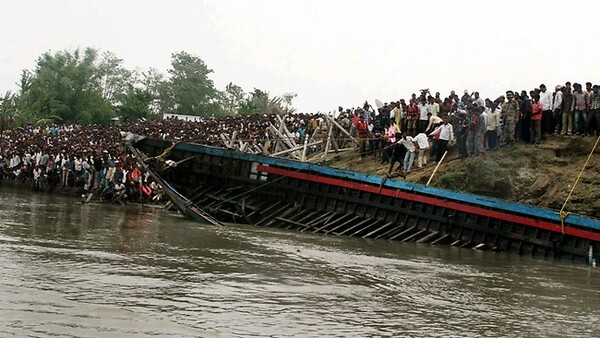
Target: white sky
{"points": [[331, 53]]}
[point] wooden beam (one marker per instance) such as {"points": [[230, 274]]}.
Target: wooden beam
{"points": [[342, 129], [295, 148]]}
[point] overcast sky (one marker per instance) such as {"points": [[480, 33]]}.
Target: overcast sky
{"points": [[331, 53]]}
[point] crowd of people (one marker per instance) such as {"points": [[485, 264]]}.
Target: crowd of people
{"points": [[93, 158], [427, 123]]}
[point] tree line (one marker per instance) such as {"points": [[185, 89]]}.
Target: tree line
{"points": [[90, 86]]}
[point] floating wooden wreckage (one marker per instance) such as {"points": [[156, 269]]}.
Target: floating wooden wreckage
{"points": [[218, 185]]}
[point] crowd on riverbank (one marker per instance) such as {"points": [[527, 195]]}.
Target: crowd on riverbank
{"points": [[93, 158]]}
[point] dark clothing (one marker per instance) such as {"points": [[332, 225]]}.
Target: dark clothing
{"points": [[442, 147], [526, 111]]}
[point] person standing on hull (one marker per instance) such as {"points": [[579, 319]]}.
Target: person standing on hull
{"points": [[546, 101], [446, 133]]}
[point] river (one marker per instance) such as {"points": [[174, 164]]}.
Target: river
{"points": [[97, 270]]}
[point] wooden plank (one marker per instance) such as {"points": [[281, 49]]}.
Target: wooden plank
{"points": [[272, 215], [354, 218], [317, 221], [290, 221], [365, 227], [440, 239], [284, 214], [359, 224], [415, 235], [377, 230], [428, 237], [412, 228]]}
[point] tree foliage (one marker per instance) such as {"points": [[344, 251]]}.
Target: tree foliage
{"points": [[260, 102], [86, 86], [190, 89], [65, 84], [232, 99], [136, 105]]}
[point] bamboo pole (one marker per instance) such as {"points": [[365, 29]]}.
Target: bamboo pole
{"points": [[342, 129], [329, 138], [436, 167], [303, 158], [283, 152]]}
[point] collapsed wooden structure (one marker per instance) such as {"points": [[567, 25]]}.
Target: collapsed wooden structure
{"points": [[316, 146]]}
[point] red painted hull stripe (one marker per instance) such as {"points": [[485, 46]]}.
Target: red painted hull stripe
{"points": [[432, 201]]}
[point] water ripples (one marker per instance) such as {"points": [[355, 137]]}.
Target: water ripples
{"points": [[96, 270]]}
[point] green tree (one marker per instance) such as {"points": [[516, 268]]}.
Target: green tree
{"points": [[135, 105], [69, 86], [232, 99], [259, 102], [255, 103], [8, 110], [152, 82], [189, 88], [114, 79]]}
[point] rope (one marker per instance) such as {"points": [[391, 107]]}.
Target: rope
{"points": [[563, 214], [165, 152]]}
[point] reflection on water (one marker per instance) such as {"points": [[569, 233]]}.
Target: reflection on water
{"points": [[91, 270]]}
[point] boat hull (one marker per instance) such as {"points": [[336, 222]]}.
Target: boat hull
{"points": [[265, 191]]}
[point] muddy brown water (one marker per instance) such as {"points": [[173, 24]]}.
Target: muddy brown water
{"points": [[98, 270]]}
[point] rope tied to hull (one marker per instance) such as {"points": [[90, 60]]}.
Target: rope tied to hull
{"points": [[562, 212], [164, 153]]}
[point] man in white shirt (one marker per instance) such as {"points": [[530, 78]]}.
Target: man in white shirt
{"points": [[557, 109], [477, 100], [434, 107], [433, 121], [423, 110], [446, 133], [422, 149], [546, 101], [409, 157]]}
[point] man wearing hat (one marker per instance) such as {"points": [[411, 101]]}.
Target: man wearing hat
{"points": [[510, 109]]}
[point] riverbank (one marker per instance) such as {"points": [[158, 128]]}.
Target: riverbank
{"points": [[540, 175]]}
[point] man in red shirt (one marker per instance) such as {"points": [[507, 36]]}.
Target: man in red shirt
{"points": [[536, 118], [363, 133], [412, 115]]}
